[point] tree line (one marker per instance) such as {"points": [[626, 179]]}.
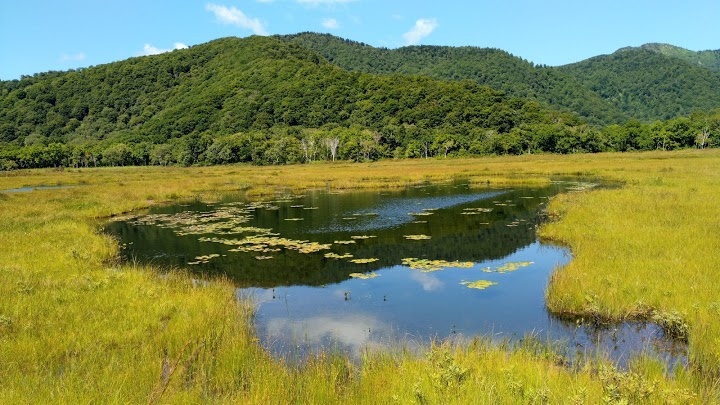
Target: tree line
{"points": [[288, 145]]}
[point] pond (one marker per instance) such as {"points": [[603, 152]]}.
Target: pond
{"points": [[360, 270], [32, 188]]}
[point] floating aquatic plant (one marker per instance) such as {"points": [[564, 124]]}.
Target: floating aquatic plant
{"points": [[507, 267], [269, 243], [364, 261], [363, 237], [338, 256], [344, 242], [416, 237], [294, 219], [479, 284], [426, 266], [421, 214], [263, 257], [204, 259], [364, 276]]}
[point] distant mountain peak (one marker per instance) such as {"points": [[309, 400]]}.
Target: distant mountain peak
{"points": [[709, 59]]}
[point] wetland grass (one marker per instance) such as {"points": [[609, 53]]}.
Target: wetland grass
{"points": [[76, 325]]}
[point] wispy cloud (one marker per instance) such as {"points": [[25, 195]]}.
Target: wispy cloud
{"points": [[330, 23], [75, 57], [324, 2], [233, 16], [423, 28], [152, 50]]}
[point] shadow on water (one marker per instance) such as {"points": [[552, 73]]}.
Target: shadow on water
{"points": [[359, 270]]}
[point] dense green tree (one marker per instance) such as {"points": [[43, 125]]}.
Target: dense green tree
{"points": [[648, 85], [271, 101], [490, 67]]}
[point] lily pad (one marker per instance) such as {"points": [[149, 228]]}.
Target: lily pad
{"points": [[479, 284], [426, 266], [417, 237], [364, 276], [364, 261], [338, 256], [507, 267], [363, 237], [344, 242]]}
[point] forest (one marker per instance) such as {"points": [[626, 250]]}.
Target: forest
{"points": [[650, 83], [276, 100]]}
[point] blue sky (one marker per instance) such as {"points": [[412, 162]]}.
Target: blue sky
{"points": [[37, 36]]}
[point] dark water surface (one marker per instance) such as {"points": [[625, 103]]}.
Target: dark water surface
{"points": [[284, 254]]}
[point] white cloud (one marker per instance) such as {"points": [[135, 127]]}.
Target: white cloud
{"points": [[152, 50], [330, 23], [236, 17], [428, 282], [423, 27], [323, 2], [354, 331], [72, 57]]}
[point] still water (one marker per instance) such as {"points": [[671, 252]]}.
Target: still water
{"points": [[360, 270]]}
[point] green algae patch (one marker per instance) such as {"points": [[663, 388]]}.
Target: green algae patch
{"points": [[364, 276], [416, 237], [427, 266], [507, 267], [364, 261], [479, 284]]}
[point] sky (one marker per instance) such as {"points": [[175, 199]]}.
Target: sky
{"points": [[37, 36]]}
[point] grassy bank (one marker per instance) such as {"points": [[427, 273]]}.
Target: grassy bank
{"points": [[77, 325]]}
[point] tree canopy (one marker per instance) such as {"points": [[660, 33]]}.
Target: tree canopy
{"points": [[268, 100]]}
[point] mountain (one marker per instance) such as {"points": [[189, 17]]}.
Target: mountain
{"points": [[491, 67], [652, 82], [257, 85], [708, 59], [648, 85]]}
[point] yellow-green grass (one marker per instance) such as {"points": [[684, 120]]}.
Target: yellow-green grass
{"points": [[76, 325]]}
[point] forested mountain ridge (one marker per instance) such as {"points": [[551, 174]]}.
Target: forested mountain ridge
{"points": [[487, 66], [265, 89], [648, 85], [270, 101], [230, 85], [653, 82], [708, 59]]}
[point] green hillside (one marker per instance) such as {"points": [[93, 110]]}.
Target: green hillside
{"points": [[270, 101], [491, 67], [707, 59], [257, 86], [648, 85]]}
